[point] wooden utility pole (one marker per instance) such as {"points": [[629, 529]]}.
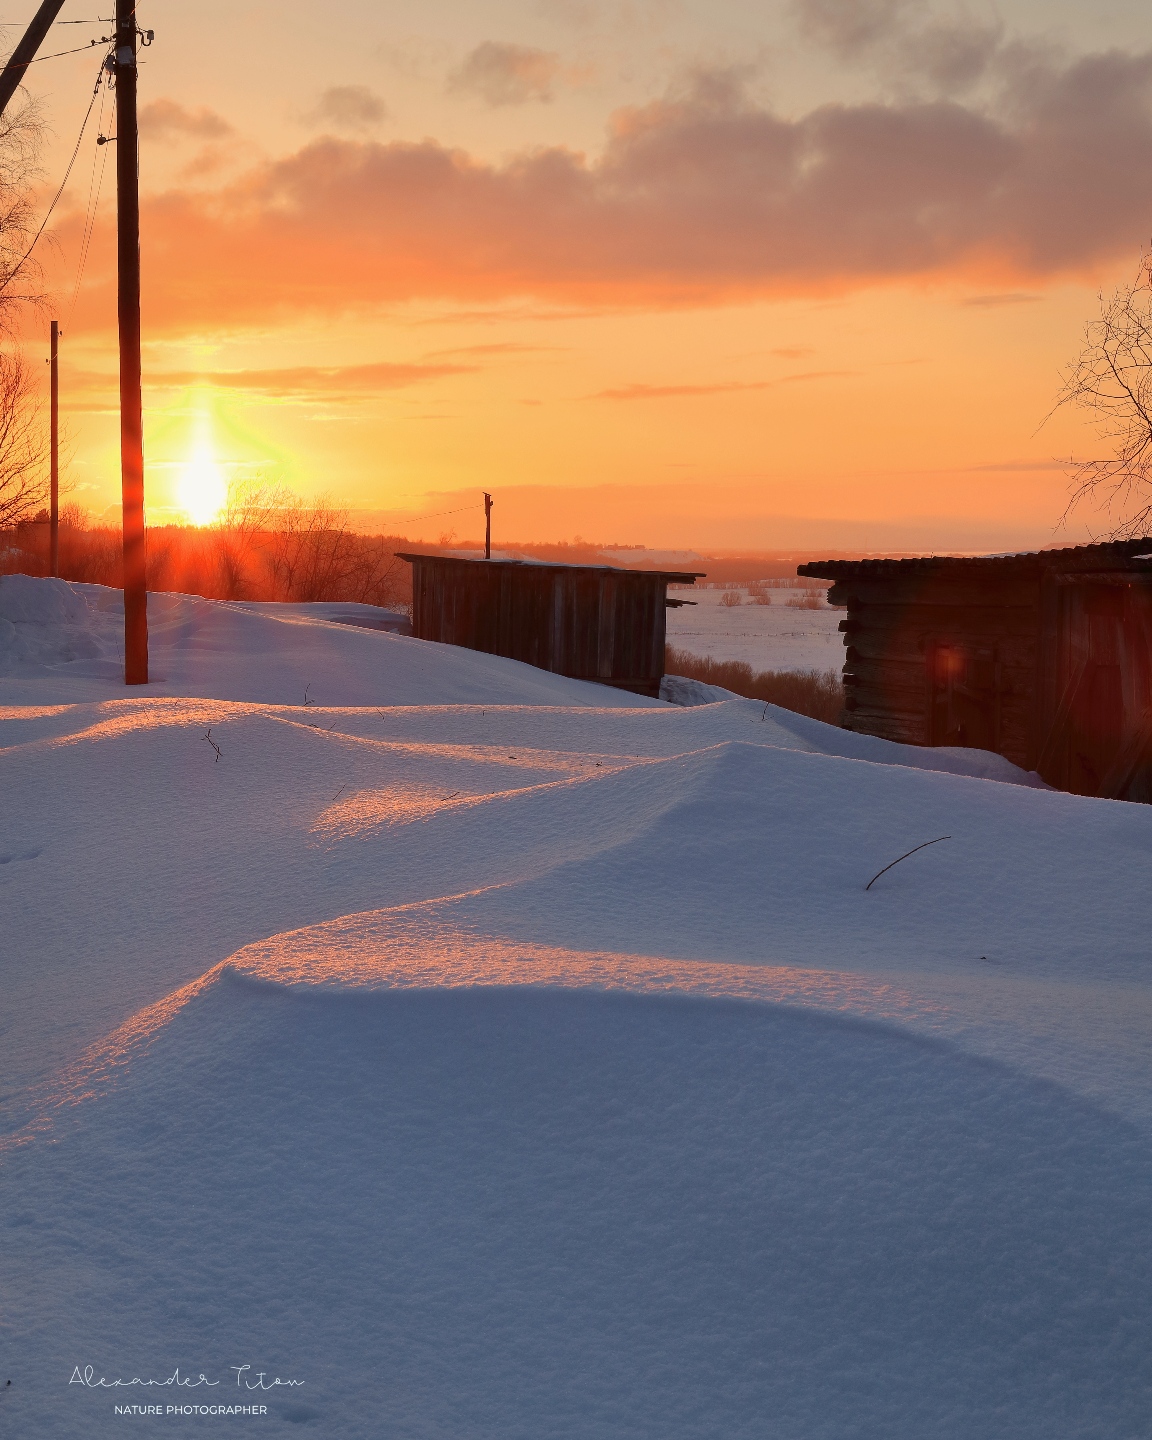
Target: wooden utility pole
{"points": [[54, 434], [487, 526], [25, 52], [128, 315]]}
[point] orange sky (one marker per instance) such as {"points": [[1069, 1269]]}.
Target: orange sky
{"points": [[729, 275]]}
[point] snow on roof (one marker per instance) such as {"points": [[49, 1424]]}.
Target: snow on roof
{"points": [[1114, 554]]}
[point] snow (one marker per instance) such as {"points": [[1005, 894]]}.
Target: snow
{"points": [[541, 1065], [767, 637], [68, 645]]}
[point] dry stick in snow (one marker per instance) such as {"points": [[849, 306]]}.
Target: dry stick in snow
{"points": [[905, 857], [208, 737]]}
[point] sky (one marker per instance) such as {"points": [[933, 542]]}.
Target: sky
{"points": [[674, 273]]}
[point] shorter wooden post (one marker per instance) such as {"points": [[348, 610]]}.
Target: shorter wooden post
{"points": [[54, 489], [487, 526]]}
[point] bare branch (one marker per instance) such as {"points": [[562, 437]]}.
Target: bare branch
{"points": [[1112, 379]]}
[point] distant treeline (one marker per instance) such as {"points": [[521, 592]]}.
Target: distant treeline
{"points": [[818, 693], [291, 551]]}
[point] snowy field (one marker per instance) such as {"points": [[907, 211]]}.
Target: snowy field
{"points": [[767, 637], [494, 1055]]}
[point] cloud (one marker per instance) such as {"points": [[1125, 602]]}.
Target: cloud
{"points": [[999, 299], [349, 107], [507, 74], [309, 380], [169, 120], [947, 56], [848, 27], [666, 392], [704, 198], [290, 382]]}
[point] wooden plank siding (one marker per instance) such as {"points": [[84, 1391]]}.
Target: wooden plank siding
{"points": [[1045, 658], [588, 622]]}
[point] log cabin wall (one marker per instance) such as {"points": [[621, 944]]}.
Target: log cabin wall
{"points": [[587, 622], [1044, 658]]}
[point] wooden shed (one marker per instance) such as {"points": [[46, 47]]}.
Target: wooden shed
{"points": [[1045, 658], [592, 622]]}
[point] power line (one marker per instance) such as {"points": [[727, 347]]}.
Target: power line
{"points": [[93, 205], [75, 151], [103, 40], [437, 514]]}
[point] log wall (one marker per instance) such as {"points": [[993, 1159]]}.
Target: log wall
{"points": [[587, 622]]}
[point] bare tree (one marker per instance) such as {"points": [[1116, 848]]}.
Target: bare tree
{"points": [[1112, 379], [23, 444], [250, 513], [21, 138]]}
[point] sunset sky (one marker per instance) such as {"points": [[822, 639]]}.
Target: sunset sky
{"points": [[678, 273]]}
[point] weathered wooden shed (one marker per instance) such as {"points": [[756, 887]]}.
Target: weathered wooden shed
{"points": [[1045, 658], [592, 622]]}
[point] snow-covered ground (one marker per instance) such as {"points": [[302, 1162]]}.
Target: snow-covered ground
{"points": [[767, 637], [498, 1055]]}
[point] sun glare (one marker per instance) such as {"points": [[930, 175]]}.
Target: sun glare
{"points": [[202, 491]]}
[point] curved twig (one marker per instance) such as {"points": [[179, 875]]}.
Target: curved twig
{"points": [[904, 857]]}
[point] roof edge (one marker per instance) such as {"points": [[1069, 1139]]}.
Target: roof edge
{"points": [[690, 576], [1072, 558]]}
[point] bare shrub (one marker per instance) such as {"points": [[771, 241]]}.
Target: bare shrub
{"points": [[314, 554], [762, 597], [731, 598], [806, 600], [260, 550], [817, 693]]}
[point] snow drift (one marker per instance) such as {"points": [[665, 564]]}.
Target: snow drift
{"points": [[544, 1067]]}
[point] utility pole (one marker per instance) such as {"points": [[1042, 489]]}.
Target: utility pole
{"points": [[123, 66], [54, 432], [487, 526], [25, 52]]}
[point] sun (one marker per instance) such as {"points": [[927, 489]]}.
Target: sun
{"points": [[202, 490]]}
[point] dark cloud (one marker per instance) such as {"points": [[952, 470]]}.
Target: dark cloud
{"points": [[168, 120], [951, 58], [349, 107], [908, 45], [508, 74], [705, 198], [848, 27]]}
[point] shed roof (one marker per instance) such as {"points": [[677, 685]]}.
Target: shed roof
{"points": [[679, 576], [1111, 556]]}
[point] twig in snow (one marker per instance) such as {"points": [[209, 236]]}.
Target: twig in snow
{"points": [[450, 797], [905, 857], [339, 792], [208, 737], [306, 689]]}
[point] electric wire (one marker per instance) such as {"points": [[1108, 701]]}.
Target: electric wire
{"points": [[95, 186], [436, 514], [79, 50], [16, 269]]}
